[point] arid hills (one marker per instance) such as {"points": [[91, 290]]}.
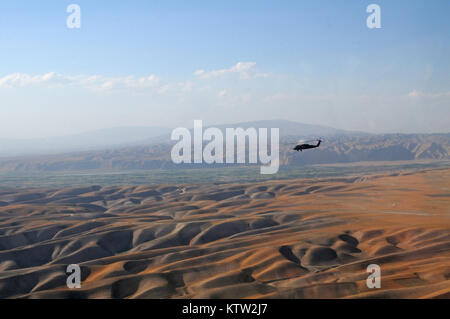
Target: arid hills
{"points": [[304, 238], [156, 155]]}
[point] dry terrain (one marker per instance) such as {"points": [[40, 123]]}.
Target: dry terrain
{"points": [[304, 238], [334, 149]]}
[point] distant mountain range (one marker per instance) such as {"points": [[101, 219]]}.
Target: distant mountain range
{"points": [[151, 150], [287, 129], [95, 140], [129, 136]]}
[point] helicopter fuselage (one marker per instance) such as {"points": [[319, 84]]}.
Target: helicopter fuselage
{"points": [[302, 147]]}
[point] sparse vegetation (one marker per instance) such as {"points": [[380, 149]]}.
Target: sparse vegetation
{"points": [[245, 174]]}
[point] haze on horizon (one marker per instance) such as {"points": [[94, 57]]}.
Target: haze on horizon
{"points": [[166, 64]]}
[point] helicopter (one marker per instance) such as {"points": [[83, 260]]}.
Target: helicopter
{"points": [[307, 146]]}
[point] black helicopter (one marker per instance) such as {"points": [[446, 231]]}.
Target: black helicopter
{"points": [[307, 146]]}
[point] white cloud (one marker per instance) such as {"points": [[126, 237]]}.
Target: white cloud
{"points": [[163, 89], [187, 86], [415, 93], [222, 93], [244, 69], [261, 75], [199, 72], [53, 79], [21, 80], [418, 94]]}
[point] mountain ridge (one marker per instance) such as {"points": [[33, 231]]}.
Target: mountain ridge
{"points": [[338, 149]]}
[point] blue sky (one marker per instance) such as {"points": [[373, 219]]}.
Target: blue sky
{"points": [[166, 63]]}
